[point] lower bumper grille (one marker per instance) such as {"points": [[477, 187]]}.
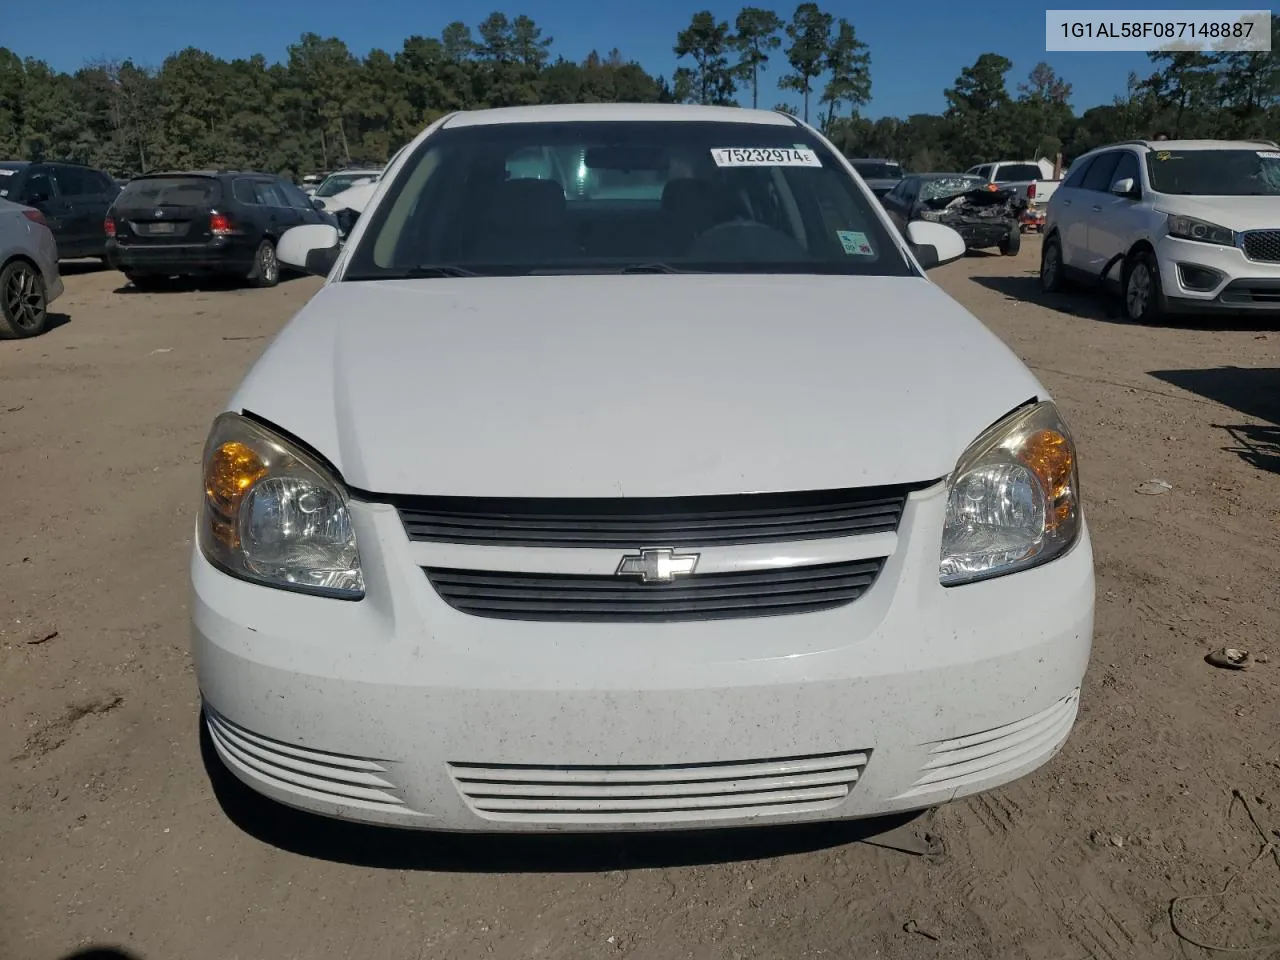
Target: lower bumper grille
{"points": [[659, 794], [320, 775], [955, 763], [718, 596]]}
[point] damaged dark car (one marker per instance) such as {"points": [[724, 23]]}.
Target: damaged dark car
{"points": [[981, 213]]}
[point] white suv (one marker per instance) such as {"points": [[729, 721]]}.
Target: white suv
{"points": [[1184, 226]]}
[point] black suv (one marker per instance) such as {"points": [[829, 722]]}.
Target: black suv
{"points": [[204, 223], [73, 199]]}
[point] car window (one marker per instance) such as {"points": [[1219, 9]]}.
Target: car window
{"points": [[176, 191], [1017, 172], [984, 171], [39, 184], [1127, 167], [1075, 179], [71, 181], [704, 197], [938, 187], [1099, 175], [242, 190], [337, 182], [267, 194], [877, 170], [293, 196], [1215, 173]]}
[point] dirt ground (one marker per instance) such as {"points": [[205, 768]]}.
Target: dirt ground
{"points": [[112, 831]]}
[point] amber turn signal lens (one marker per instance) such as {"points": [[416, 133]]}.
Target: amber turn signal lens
{"points": [[233, 468], [1048, 453]]}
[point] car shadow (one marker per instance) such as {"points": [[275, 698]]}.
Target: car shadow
{"points": [[1253, 391], [1104, 304], [321, 838], [101, 953], [1027, 290], [53, 321], [1255, 444], [213, 284]]}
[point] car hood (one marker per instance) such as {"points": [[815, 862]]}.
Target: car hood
{"points": [[1234, 213], [644, 385], [353, 198]]}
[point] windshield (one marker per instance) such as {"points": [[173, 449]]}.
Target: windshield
{"points": [[877, 170], [1215, 173], [1017, 172], [953, 186], [342, 181], [604, 197], [169, 192]]}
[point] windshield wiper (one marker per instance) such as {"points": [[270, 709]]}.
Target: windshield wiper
{"points": [[435, 270], [650, 268]]}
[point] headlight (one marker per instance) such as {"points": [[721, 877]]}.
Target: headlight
{"points": [[275, 516], [1013, 501], [1189, 228], [933, 216]]}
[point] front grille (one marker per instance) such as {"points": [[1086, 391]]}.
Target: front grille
{"points": [[1248, 292], [658, 794], [625, 523], [713, 596], [1262, 245]]}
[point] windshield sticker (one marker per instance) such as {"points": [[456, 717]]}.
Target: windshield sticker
{"points": [[5, 172], [855, 243], [765, 157], [1269, 155], [1164, 155]]}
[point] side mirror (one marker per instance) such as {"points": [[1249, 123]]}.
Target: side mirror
{"points": [[1125, 188], [318, 203], [934, 243], [312, 248]]}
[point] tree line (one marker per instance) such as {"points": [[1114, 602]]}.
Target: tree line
{"points": [[325, 107]]}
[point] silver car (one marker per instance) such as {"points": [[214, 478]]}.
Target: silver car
{"points": [[29, 279]]}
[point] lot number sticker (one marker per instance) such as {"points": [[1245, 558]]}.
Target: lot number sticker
{"points": [[1269, 155], [765, 157], [855, 243]]}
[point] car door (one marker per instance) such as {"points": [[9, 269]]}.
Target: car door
{"points": [[38, 190], [895, 205], [75, 192], [1070, 210], [276, 215], [1095, 192], [1116, 221]]}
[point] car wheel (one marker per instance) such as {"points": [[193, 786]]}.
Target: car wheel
{"points": [[1051, 276], [266, 268], [24, 301], [1143, 298], [1011, 243]]}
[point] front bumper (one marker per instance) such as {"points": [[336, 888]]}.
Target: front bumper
{"points": [[401, 710], [1243, 285], [980, 234]]}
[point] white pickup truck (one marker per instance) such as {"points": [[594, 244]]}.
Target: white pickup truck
{"points": [[1023, 177]]}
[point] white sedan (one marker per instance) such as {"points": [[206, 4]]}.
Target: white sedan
{"points": [[703, 507], [29, 278]]}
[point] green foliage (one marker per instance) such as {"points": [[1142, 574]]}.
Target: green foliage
{"points": [[757, 34], [810, 35], [707, 42], [325, 106]]}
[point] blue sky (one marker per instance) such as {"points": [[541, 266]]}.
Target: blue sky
{"points": [[917, 49]]}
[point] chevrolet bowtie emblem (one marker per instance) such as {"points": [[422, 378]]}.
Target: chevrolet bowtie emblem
{"points": [[657, 566]]}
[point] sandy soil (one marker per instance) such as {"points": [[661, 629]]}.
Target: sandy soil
{"points": [[112, 831]]}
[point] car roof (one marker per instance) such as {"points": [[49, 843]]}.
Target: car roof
{"points": [[205, 173], [635, 112], [14, 164], [1191, 145]]}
